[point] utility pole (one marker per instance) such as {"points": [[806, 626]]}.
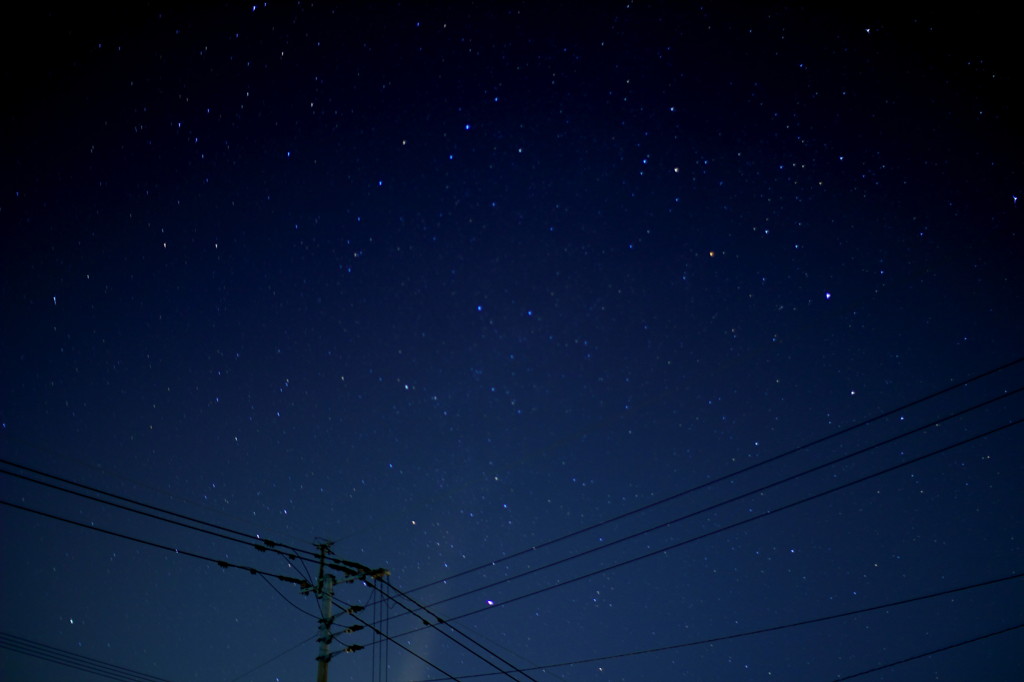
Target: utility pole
{"points": [[325, 593]]}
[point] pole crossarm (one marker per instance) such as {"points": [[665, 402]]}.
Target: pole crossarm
{"points": [[350, 572]]}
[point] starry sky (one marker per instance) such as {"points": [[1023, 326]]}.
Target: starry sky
{"points": [[629, 338]]}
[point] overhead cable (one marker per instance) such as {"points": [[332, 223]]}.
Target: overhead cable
{"points": [[258, 543], [436, 625], [267, 544], [724, 477], [736, 524], [219, 562], [735, 498], [392, 640], [931, 653], [775, 628], [74, 660]]}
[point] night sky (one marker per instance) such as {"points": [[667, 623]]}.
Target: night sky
{"points": [[444, 285]]}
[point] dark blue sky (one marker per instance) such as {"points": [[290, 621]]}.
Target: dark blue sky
{"points": [[445, 285]]}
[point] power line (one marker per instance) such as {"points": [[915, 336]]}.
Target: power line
{"points": [[43, 449], [774, 628], [391, 639], [219, 562], [439, 620], [730, 500], [350, 570], [258, 547], [289, 601], [739, 523], [701, 486], [442, 621], [70, 659], [261, 544], [932, 652], [223, 564]]}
